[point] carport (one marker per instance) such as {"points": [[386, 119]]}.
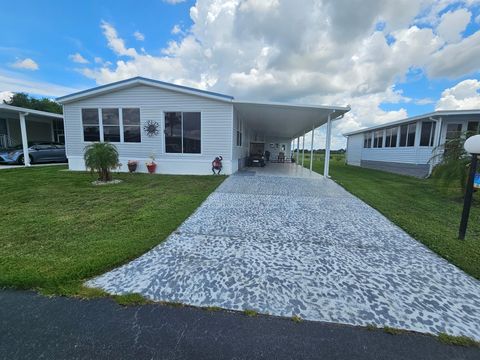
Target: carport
{"points": [[20, 125], [292, 122]]}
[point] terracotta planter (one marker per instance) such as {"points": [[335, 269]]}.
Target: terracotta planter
{"points": [[132, 167], [151, 168]]}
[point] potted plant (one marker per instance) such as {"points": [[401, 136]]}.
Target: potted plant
{"points": [[151, 165], [132, 165]]}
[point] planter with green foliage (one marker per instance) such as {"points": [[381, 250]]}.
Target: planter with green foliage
{"points": [[101, 158]]}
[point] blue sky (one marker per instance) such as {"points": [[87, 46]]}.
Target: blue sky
{"points": [[387, 59]]}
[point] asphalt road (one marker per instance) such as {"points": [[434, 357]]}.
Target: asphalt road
{"points": [[33, 326]]}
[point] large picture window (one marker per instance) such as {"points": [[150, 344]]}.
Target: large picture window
{"points": [[111, 125], [391, 137], [183, 132], [427, 137], [91, 126], [378, 139], [407, 134], [131, 125]]}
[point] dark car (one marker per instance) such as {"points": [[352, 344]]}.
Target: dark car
{"points": [[256, 160], [38, 152]]}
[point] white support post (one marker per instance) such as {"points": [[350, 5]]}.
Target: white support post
{"points": [[303, 149], [298, 148], [326, 166], [23, 130], [311, 149]]}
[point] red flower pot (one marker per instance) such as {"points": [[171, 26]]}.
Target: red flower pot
{"points": [[151, 168]]}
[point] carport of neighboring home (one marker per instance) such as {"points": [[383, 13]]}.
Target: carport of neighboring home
{"points": [[21, 126]]}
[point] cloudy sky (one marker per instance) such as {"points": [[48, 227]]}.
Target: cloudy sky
{"points": [[387, 59]]}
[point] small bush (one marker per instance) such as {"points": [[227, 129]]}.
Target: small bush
{"points": [[250, 313], [101, 158]]}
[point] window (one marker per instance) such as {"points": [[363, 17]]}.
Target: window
{"points": [[473, 127], [91, 127], [131, 125], [378, 139], [367, 140], [407, 135], [391, 137], [111, 125], [238, 127], [427, 136], [239, 138], [453, 131], [183, 132], [58, 131]]}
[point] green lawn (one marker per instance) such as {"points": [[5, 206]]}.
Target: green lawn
{"points": [[57, 229], [416, 205]]}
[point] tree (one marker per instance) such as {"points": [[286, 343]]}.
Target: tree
{"points": [[101, 158], [26, 101], [452, 170]]}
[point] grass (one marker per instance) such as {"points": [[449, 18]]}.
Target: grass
{"points": [[429, 214], [457, 340], [250, 313], [58, 229]]}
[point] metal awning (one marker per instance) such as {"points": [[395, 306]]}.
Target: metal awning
{"points": [[285, 120]]}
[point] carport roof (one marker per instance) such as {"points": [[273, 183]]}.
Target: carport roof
{"points": [[285, 120], [9, 110]]}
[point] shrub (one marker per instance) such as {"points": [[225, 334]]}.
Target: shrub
{"points": [[101, 158]]}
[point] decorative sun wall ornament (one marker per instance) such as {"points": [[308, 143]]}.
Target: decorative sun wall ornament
{"points": [[151, 128]]}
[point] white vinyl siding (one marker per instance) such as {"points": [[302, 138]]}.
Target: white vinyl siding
{"points": [[153, 103]]}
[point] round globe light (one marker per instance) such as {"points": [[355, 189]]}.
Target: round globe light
{"points": [[472, 144]]}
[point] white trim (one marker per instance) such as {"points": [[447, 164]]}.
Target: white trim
{"points": [[141, 81], [30, 111]]}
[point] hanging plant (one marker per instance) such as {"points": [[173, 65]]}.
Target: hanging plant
{"points": [[151, 128]]}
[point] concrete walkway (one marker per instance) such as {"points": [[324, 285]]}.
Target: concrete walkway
{"points": [[289, 245]]}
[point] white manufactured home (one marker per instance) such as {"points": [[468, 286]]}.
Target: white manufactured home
{"points": [[184, 128], [407, 146]]}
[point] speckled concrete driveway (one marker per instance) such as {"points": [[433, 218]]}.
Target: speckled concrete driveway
{"points": [[291, 245]]}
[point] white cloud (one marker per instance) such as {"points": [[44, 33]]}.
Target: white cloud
{"points": [[453, 24], [27, 64], [114, 42], [78, 58], [173, 2], [16, 82], [5, 95], [98, 60], [463, 96], [176, 29], [327, 51], [139, 36]]}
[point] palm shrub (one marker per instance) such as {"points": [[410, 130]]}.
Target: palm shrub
{"points": [[101, 158], [453, 163]]}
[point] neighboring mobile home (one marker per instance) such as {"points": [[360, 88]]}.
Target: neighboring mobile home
{"points": [[407, 146], [183, 128]]}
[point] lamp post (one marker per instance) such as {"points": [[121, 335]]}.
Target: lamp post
{"points": [[472, 146]]}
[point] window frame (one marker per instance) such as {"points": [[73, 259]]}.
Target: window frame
{"points": [[414, 125], [162, 126], [392, 134], [120, 120], [99, 125], [120, 137], [433, 130], [122, 125], [379, 144], [368, 139]]}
